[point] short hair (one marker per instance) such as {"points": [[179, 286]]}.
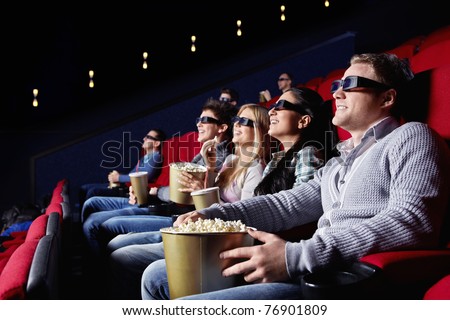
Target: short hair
{"points": [[233, 93], [223, 111], [160, 134], [290, 75], [391, 71]]}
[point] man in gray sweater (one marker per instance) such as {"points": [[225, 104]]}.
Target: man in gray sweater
{"points": [[387, 190]]}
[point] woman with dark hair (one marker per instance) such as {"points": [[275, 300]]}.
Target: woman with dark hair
{"points": [[300, 122]]}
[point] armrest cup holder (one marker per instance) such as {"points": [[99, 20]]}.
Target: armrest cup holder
{"points": [[355, 282]]}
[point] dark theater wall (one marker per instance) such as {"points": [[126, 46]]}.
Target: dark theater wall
{"points": [[63, 137]]}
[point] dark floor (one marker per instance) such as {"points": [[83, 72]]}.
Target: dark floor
{"points": [[71, 273], [75, 281]]}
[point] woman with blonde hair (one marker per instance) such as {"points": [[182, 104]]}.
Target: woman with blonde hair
{"points": [[243, 170]]}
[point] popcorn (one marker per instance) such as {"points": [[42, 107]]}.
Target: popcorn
{"points": [[209, 225], [187, 166]]}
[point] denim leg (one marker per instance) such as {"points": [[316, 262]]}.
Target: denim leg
{"points": [[127, 265], [137, 223], [259, 291], [154, 283], [91, 227], [155, 286], [123, 240], [96, 204]]}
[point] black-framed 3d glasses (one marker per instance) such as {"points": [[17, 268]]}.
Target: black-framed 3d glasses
{"points": [[286, 105], [352, 82], [206, 120], [243, 121], [225, 99], [149, 137]]}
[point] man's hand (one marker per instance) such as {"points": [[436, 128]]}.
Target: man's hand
{"points": [[184, 218], [263, 263], [113, 176]]}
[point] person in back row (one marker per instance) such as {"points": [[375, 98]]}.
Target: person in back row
{"points": [[151, 163], [388, 190], [299, 121], [229, 95], [285, 81]]}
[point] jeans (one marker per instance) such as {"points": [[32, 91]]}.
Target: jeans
{"points": [[128, 239], [90, 190], [105, 208], [135, 228], [129, 262], [96, 204], [155, 286]]}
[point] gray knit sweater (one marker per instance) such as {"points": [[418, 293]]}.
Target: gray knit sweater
{"points": [[388, 193]]}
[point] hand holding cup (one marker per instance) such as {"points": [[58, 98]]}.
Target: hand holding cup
{"points": [[208, 152], [139, 182], [190, 182], [131, 196]]}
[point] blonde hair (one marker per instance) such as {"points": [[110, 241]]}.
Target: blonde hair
{"points": [[236, 170]]}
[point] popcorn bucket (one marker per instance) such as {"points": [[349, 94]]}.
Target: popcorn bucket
{"points": [[193, 264], [175, 168]]}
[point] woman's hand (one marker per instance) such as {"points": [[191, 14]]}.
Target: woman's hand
{"points": [[208, 153], [132, 199], [262, 263], [190, 182], [184, 218]]}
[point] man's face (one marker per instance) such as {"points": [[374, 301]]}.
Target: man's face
{"points": [[284, 82], [360, 108], [226, 97], [207, 131], [148, 139]]}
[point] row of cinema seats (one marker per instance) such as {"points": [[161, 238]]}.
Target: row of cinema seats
{"points": [[29, 267], [408, 274]]}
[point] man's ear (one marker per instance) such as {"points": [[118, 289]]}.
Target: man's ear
{"points": [[389, 98]]}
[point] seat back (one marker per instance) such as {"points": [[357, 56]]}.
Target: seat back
{"points": [[312, 83], [435, 36], [408, 48], [15, 273], [177, 149], [432, 56], [42, 283], [430, 94]]}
